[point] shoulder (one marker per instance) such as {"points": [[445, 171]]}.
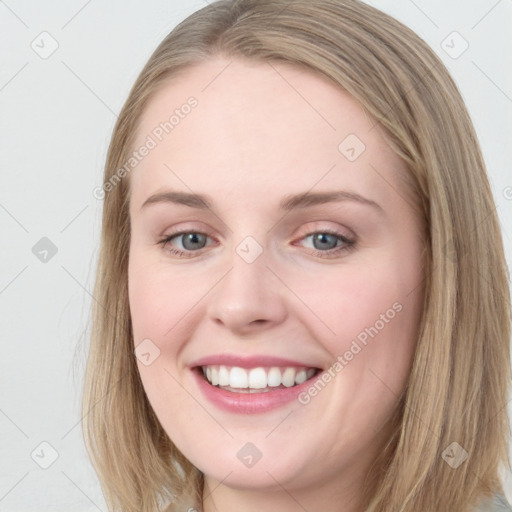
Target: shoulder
{"points": [[496, 503]]}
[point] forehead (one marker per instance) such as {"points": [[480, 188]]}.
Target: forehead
{"points": [[256, 126]]}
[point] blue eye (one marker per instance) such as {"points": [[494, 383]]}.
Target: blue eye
{"points": [[329, 243], [191, 241], [324, 241]]}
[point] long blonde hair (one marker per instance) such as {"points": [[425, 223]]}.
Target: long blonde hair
{"points": [[458, 386]]}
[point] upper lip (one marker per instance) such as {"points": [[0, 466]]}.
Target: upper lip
{"points": [[253, 361]]}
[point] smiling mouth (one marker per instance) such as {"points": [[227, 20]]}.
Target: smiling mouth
{"points": [[256, 380]]}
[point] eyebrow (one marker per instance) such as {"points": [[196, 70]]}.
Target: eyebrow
{"points": [[290, 202]]}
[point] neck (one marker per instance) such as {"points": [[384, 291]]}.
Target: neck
{"points": [[341, 495]]}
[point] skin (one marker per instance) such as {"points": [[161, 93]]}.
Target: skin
{"points": [[261, 132]]}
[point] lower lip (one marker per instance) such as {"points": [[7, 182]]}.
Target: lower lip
{"points": [[249, 403]]}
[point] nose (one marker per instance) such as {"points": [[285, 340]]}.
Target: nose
{"points": [[249, 298]]}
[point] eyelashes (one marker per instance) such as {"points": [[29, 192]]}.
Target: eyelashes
{"points": [[343, 244]]}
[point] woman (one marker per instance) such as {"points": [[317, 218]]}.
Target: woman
{"points": [[301, 294]]}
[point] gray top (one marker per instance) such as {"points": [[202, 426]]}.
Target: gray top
{"points": [[495, 504]]}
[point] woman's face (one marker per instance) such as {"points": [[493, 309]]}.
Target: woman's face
{"points": [[301, 260]]}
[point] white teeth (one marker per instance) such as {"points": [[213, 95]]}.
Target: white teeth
{"points": [[301, 377], [256, 378], [223, 376], [274, 377], [288, 377], [238, 378]]}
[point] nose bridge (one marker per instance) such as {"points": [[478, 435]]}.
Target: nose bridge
{"points": [[249, 294], [249, 266]]}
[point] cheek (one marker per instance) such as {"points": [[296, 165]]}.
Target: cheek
{"points": [[362, 303], [159, 300], [369, 324], [157, 303], [375, 323]]}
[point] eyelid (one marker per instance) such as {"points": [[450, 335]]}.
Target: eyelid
{"points": [[334, 233], [188, 227], [324, 227]]}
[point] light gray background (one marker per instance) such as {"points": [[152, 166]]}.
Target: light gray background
{"points": [[57, 115]]}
